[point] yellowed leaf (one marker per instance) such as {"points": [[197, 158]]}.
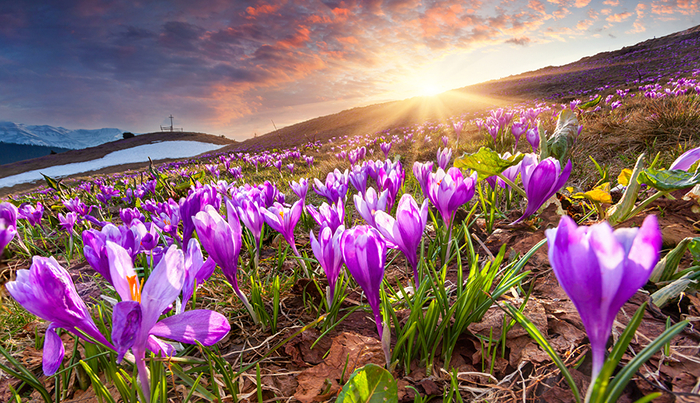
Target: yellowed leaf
{"points": [[624, 177]]}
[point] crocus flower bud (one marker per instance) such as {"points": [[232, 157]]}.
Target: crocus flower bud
{"points": [[448, 191], [533, 137], [364, 253], [327, 251], [443, 157], [600, 269], [422, 171], [541, 180], [405, 232], [686, 160]]}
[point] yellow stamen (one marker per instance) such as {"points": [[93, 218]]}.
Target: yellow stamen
{"points": [[282, 214], [135, 287]]}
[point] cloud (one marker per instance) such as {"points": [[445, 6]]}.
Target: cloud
{"points": [[670, 7], [223, 62], [523, 41], [638, 25], [618, 17], [612, 3]]}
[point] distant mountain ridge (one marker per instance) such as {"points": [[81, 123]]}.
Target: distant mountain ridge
{"points": [[49, 136]]}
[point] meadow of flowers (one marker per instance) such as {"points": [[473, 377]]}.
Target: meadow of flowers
{"points": [[365, 267]]}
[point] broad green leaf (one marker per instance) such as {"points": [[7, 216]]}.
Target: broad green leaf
{"points": [[665, 180], [370, 384], [487, 162], [624, 177], [591, 103]]}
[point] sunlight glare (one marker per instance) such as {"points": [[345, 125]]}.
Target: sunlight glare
{"points": [[430, 90]]}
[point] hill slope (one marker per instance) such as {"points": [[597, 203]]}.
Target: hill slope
{"points": [[633, 65]]}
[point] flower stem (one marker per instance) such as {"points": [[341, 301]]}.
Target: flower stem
{"points": [[513, 186]]}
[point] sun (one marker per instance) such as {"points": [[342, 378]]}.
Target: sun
{"points": [[430, 90]]}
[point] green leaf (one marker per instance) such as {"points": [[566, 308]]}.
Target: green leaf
{"points": [[694, 248], [487, 162], [665, 180], [623, 377], [667, 267], [370, 383], [592, 103], [53, 183]]}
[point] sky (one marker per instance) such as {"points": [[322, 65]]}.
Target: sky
{"points": [[237, 68]]}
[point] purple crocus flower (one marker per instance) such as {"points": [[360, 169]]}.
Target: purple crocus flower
{"points": [[443, 157], [358, 177], [533, 137], [391, 178], [47, 291], [197, 271], [300, 188], [332, 216], [77, 206], [406, 231], [541, 180], [367, 204], [128, 215], [221, 239], [450, 190], [600, 269], [364, 254], [518, 129], [327, 252], [67, 222], [135, 320], [107, 193], [686, 160], [8, 212], [7, 232], [458, 126], [283, 220], [30, 213], [8, 224], [250, 213], [95, 241], [422, 171], [335, 188], [193, 204], [386, 148]]}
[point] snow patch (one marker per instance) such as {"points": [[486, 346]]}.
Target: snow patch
{"points": [[168, 149]]}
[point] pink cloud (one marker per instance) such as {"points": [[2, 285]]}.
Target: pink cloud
{"points": [[619, 17], [669, 7], [612, 3]]}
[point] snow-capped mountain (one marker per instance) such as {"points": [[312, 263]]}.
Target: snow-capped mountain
{"points": [[56, 136]]}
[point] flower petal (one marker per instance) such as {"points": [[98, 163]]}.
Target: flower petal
{"points": [[126, 322], [163, 286], [53, 351], [204, 326], [121, 268]]}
